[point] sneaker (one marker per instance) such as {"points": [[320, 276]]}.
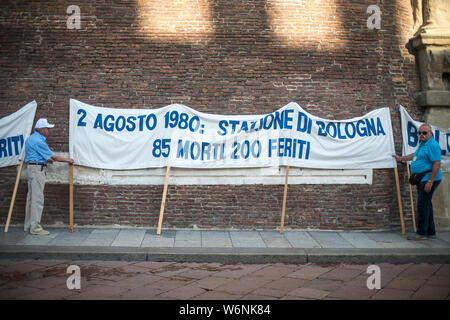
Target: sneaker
{"points": [[416, 236], [431, 236], [40, 232]]}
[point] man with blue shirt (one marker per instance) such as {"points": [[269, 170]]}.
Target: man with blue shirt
{"points": [[427, 158], [37, 155]]}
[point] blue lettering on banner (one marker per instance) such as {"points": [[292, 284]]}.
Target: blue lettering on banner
{"points": [[268, 121], [321, 126], [241, 146], [287, 119], [448, 142], [109, 126], [245, 149], [182, 121], [110, 123], [182, 151], [272, 121], [11, 146], [360, 129], [304, 124], [131, 125], [413, 137], [244, 127], [83, 113], [436, 135], [350, 134], [161, 147], [445, 147], [222, 125], [288, 147], [283, 120], [120, 123], [331, 129], [370, 127], [98, 122], [194, 150], [347, 130]]}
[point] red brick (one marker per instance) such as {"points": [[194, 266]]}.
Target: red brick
{"points": [[237, 65]]}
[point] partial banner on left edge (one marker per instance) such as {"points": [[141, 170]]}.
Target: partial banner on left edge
{"points": [[14, 131]]}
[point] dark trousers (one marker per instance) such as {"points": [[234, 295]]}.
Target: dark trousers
{"points": [[425, 210]]}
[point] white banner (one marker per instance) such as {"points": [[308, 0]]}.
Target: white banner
{"points": [[179, 136], [14, 130], [410, 129]]}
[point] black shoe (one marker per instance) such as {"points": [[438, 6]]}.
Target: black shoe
{"points": [[416, 236], [431, 236]]}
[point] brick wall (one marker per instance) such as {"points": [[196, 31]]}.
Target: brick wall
{"points": [[227, 57]]}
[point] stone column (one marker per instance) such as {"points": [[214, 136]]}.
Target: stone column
{"points": [[431, 47]]}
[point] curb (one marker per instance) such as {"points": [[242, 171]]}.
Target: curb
{"points": [[229, 255]]}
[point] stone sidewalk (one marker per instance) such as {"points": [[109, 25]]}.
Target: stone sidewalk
{"points": [[292, 246]]}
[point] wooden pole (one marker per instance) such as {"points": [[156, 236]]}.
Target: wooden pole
{"points": [[71, 196], [163, 201], [399, 199], [412, 201], [13, 199], [283, 210]]}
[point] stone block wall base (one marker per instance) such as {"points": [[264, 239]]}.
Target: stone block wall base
{"points": [[433, 98], [442, 223]]}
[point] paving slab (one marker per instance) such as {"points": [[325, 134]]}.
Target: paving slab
{"points": [[163, 240], [443, 235], [246, 239], [67, 238], [216, 239], [129, 238], [13, 236], [34, 240], [188, 239], [101, 237], [330, 239], [273, 239], [360, 240], [392, 240], [301, 239]]}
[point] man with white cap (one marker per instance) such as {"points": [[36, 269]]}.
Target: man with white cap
{"points": [[37, 155]]}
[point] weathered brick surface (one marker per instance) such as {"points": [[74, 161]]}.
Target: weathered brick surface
{"points": [[227, 57]]}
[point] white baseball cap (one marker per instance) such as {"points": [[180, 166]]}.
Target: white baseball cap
{"points": [[43, 123]]}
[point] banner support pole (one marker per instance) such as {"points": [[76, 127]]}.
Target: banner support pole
{"points": [[399, 199], [163, 201], [13, 199], [412, 201], [71, 196], [283, 210]]}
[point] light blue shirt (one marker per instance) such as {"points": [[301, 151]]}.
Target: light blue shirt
{"points": [[36, 149], [422, 161]]}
